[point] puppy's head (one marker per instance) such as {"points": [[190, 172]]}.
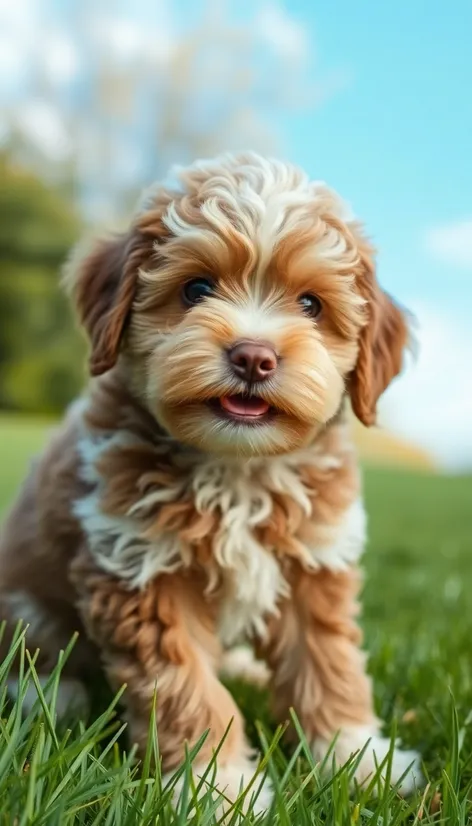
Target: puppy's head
{"points": [[244, 306]]}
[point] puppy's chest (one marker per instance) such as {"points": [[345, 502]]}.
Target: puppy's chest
{"points": [[247, 562], [238, 519]]}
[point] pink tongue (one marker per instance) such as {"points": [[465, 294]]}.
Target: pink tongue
{"points": [[240, 406]]}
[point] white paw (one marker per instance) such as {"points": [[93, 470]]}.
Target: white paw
{"points": [[240, 663], [71, 696], [352, 740], [229, 782]]}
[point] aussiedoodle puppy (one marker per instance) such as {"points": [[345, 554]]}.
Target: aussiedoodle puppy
{"points": [[205, 489]]}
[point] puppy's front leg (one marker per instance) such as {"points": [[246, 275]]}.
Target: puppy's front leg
{"points": [[319, 670], [161, 642]]}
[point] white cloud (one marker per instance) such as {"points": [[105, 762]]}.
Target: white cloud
{"points": [[431, 404], [18, 16], [282, 32], [452, 243], [123, 37], [11, 61], [18, 28], [60, 57], [128, 41], [43, 125]]}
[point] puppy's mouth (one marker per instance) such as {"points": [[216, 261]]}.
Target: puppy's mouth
{"points": [[244, 409]]}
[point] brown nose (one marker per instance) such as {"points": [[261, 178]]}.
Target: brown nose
{"points": [[252, 361]]}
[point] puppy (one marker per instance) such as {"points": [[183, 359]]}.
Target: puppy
{"points": [[205, 490]]}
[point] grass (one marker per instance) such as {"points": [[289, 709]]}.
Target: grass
{"points": [[20, 440], [418, 627]]}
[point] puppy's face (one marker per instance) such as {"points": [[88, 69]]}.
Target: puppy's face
{"points": [[250, 303], [247, 334]]}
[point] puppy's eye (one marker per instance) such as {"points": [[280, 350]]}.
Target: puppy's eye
{"points": [[310, 304], [196, 290]]}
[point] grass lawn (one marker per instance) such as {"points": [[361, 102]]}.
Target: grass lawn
{"points": [[418, 627]]}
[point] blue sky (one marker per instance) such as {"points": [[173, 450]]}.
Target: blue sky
{"points": [[397, 139], [390, 128]]}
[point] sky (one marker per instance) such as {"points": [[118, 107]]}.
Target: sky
{"points": [[387, 122]]}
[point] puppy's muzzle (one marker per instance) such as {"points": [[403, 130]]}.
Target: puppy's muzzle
{"points": [[253, 361]]}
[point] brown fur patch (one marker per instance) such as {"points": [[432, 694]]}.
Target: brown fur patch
{"points": [[162, 639], [312, 649], [382, 343]]}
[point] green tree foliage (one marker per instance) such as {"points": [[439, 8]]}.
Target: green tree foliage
{"points": [[41, 353]]}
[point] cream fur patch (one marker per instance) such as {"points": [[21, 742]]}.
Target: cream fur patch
{"points": [[117, 543], [240, 663], [254, 320], [118, 547], [251, 573], [263, 198], [352, 740], [229, 781], [347, 544]]}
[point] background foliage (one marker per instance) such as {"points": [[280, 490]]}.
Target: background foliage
{"points": [[41, 353]]}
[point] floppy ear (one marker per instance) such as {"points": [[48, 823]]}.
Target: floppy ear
{"points": [[102, 282], [381, 345]]}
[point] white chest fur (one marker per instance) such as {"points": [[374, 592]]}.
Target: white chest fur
{"points": [[240, 492], [253, 581]]}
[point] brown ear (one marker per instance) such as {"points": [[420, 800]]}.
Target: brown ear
{"points": [[102, 282], [381, 345]]}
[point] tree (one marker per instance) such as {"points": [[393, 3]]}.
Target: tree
{"points": [[40, 351]]}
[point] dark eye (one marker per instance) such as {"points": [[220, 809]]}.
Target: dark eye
{"points": [[196, 290], [310, 304]]}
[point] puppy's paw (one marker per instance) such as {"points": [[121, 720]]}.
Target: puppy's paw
{"points": [[227, 784], [353, 740], [241, 664]]}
